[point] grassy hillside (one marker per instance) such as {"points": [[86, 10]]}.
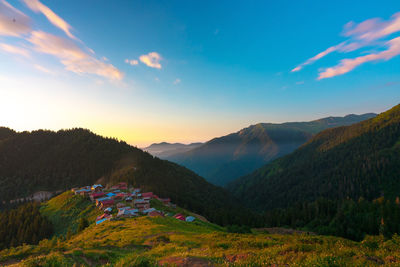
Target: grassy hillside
{"points": [[226, 158], [65, 211], [160, 241], [49, 161], [361, 160]]}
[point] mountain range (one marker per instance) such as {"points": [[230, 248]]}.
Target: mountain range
{"points": [[357, 161], [58, 161], [224, 159], [165, 150]]}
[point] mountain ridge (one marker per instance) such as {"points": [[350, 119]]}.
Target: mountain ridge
{"points": [[222, 159], [348, 161]]}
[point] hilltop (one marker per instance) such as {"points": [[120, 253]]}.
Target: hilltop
{"points": [[226, 158], [166, 241], [57, 161], [361, 160], [165, 150]]}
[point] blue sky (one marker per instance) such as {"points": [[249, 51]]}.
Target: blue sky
{"points": [[183, 71]]}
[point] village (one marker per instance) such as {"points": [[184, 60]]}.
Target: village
{"points": [[119, 201]]}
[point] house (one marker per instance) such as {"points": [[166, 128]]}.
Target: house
{"points": [[106, 203], [142, 206], [99, 200], [120, 205], [148, 210], [123, 186], [83, 191], [96, 195], [128, 199], [190, 218], [136, 190], [148, 194], [127, 213], [102, 220], [180, 217], [111, 195], [97, 188], [108, 210]]}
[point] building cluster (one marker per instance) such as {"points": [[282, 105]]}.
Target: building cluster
{"points": [[119, 201]]}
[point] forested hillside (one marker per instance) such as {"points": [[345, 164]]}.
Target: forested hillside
{"points": [[361, 160], [226, 158], [46, 160]]}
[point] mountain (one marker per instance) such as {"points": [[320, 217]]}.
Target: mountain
{"points": [[361, 160], [164, 150], [226, 158], [52, 161]]}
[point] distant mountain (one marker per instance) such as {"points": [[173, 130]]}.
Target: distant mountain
{"points": [[48, 161], [226, 158], [164, 150], [361, 160]]}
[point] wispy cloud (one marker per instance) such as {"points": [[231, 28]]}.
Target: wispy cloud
{"points": [[72, 57], [347, 65], [177, 81], [43, 69], [12, 21], [132, 62], [367, 33], [14, 50], [151, 60], [56, 20], [78, 59]]}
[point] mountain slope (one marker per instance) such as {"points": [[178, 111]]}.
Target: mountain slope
{"points": [[49, 161], [223, 159], [166, 241], [361, 160], [164, 150]]}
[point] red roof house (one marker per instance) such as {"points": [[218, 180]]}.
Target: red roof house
{"points": [[148, 194]]}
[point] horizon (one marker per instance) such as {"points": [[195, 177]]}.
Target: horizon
{"points": [[188, 142], [156, 72]]}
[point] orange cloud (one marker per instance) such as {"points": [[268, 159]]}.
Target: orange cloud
{"points": [[12, 21], [151, 60], [363, 34], [14, 50], [57, 21], [347, 65], [72, 57]]}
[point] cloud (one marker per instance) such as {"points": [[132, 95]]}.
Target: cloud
{"points": [[57, 21], [12, 21], [132, 62], [177, 81], [366, 33], [72, 57], [43, 69], [14, 50], [347, 65], [151, 60], [373, 29]]}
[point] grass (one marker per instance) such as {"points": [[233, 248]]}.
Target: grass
{"points": [[147, 241], [65, 211]]}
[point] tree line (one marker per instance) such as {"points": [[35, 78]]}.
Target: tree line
{"points": [[23, 225]]}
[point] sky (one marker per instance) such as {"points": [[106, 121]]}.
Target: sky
{"points": [[188, 71]]}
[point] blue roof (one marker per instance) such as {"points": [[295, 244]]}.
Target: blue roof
{"points": [[110, 194], [102, 220], [190, 218], [103, 198]]}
